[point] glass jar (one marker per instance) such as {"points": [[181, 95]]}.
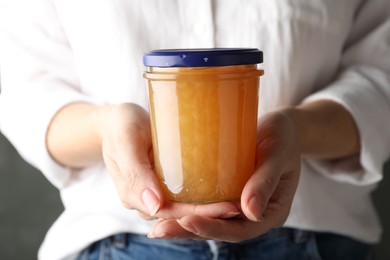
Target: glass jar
{"points": [[203, 108]]}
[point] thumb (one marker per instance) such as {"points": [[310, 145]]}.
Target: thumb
{"points": [[142, 185], [258, 191], [128, 157]]}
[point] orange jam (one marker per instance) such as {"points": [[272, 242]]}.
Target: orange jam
{"points": [[204, 122]]}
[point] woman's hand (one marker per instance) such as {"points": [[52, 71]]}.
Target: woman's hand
{"points": [[120, 135], [321, 129], [127, 152], [126, 147], [266, 198]]}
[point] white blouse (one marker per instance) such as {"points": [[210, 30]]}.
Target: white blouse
{"points": [[54, 52]]}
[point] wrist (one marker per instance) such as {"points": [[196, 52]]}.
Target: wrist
{"points": [[325, 130], [295, 119], [100, 117], [72, 137]]}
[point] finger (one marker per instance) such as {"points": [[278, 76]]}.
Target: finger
{"points": [[259, 189], [169, 228], [234, 230], [281, 200], [131, 167], [196, 227], [142, 186], [217, 229], [176, 210]]}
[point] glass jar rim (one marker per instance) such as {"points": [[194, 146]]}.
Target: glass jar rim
{"points": [[205, 73]]}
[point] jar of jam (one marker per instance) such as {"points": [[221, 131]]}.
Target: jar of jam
{"points": [[203, 108]]}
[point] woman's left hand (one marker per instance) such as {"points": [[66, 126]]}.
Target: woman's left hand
{"points": [[267, 197]]}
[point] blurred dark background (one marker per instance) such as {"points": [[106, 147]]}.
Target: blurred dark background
{"points": [[29, 204]]}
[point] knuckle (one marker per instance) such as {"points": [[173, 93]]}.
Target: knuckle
{"points": [[268, 183], [131, 179], [265, 188], [131, 183]]}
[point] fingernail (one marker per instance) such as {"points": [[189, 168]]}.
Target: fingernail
{"points": [[151, 201], [160, 235], [188, 227], [230, 215], [153, 234], [253, 209]]}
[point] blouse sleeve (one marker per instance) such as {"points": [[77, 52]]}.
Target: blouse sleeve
{"points": [[363, 88], [38, 78]]}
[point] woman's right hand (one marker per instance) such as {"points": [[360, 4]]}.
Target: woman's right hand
{"points": [[127, 152], [126, 149]]}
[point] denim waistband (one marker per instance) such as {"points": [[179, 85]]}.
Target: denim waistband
{"points": [[276, 244]]}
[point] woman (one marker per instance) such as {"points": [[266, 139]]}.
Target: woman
{"points": [[72, 77]]}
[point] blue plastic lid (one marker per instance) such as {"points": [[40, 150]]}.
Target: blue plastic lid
{"points": [[203, 57]]}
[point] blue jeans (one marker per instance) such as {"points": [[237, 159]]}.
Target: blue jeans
{"points": [[277, 244]]}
